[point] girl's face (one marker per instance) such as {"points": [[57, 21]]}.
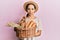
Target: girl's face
{"points": [[31, 9]]}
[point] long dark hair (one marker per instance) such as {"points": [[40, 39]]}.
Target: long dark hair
{"points": [[27, 15]]}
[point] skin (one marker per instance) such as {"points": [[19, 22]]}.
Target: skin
{"points": [[31, 11]]}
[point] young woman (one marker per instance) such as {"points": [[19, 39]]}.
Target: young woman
{"points": [[30, 7]]}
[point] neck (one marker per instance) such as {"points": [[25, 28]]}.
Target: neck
{"points": [[31, 16]]}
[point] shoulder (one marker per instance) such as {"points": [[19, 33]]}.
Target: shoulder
{"points": [[23, 17], [36, 18]]}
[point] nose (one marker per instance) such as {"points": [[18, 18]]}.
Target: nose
{"points": [[30, 10]]}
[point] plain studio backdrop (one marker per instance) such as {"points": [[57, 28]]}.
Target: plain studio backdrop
{"points": [[49, 13]]}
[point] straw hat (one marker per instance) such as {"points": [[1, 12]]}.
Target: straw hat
{"points": [[30, 2]]}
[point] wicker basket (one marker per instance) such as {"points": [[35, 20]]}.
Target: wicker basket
{"points": [[26, 33]]}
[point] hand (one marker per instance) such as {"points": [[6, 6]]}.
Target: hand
{"points": [[38, 33]]}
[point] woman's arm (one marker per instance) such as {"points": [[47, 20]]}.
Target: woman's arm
{"points": [[39, 27]]}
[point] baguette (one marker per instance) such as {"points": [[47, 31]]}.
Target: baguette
{"points": [[11, 24], [30, 24]]}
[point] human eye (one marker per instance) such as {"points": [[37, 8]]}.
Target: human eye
{"points": [[32, 8], [28, 8]]}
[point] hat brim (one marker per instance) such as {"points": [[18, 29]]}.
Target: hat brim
{"points": [[26, 3]]}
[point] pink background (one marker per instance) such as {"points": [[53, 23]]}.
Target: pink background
{"points": [[49, 13]]}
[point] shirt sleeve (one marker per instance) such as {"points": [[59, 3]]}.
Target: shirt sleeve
{"points": [[39, 24]]}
